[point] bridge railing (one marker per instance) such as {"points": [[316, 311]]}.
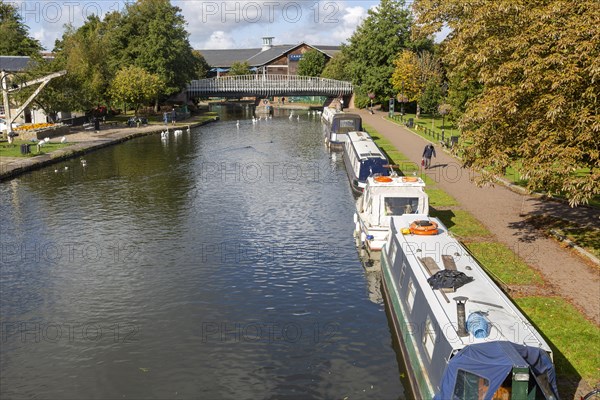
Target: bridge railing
{"points": [[269, 85]]}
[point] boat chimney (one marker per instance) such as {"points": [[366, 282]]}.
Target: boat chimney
{"points": [[267, 42], [461, 316]]}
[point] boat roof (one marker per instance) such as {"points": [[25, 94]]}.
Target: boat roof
{"points": [[396, 182], [426, 252], [364, 145]]}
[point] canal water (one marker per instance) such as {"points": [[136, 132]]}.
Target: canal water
{"points": [[214, 264]]}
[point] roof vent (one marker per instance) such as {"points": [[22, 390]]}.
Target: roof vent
{"points": [[267, 42]]}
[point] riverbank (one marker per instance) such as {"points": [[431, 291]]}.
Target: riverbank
{"points": [[87, 141], [547, 282]]}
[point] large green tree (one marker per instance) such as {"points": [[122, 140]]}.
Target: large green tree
{"points": [[312, 63], [14, 34], [84, 53], [537, 61], [373, 47], [151, 34], [336, 67]]}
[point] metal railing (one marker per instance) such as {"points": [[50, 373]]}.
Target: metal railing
{"points": [[268, 86]]}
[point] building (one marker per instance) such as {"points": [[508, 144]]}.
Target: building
{"points": [[16, 64], [268, 60]]}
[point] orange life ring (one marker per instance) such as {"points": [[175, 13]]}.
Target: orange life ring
{"points": [[409, 179], [383, 179], [424, 227]]}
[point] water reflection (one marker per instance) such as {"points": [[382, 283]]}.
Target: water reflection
{"points": [[218, 263]]}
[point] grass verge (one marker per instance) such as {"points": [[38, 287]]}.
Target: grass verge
{"points": [[14, 149], [503, 263], [575, 341]]}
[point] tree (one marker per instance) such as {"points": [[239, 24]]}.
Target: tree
{"points": [[151, 34], [537, 63], [312, 63], [416, 76], [135, 85], [373, 47], [14, 33], [336, 67], [239, 68], [84, 53], [202, 66], [60, 94]]}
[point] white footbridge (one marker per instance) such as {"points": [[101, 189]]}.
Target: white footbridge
{"points": [[267, 86]]}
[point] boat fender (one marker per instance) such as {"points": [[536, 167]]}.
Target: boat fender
{"points": [[357, 228], [478, 325], [355, 218], [363, 237]]}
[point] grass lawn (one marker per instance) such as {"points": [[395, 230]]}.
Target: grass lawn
{"points": [[461, 223], [504, 264], [576, 339], [14, 149]]}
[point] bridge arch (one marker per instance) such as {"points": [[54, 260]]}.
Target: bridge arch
{"points": [[268, 86]]}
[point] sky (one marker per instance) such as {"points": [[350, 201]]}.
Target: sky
{"points": [[217, 24]]}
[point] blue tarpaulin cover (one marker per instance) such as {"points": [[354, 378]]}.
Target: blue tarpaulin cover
{"points": [[494, 361]]}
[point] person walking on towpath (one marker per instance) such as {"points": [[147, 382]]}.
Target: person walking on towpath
{"points": [[173, 117], [428, 151]]}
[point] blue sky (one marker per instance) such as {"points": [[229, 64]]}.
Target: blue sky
{"points": [[218, 24]]}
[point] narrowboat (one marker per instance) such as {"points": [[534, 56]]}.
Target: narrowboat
{"points": [[383, 198], [363, 159], [337, 124], [461, 337]]}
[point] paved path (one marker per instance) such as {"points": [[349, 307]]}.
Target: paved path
{"points": [[504, 212]]}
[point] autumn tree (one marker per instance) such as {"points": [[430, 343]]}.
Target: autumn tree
{"points": [[134, 85], [15, 34], [419, 78], [537, 62], [312, 63]]}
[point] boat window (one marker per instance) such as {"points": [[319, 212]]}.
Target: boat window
{"points": [[347, 125], [402, 273], [429, 337], [392, 252], [410, 295], [470, 386], [401, 205]]}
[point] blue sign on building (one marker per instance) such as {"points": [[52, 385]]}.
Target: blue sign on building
{"points": [[295, 57]]}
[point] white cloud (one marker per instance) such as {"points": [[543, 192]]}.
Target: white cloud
{"points": [[218, 40]]}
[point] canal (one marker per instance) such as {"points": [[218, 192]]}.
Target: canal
{"points": [[215, 264]]}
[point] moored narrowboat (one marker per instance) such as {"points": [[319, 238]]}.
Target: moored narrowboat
{"points": [[337, 124], [460, 335], [363, 159], [383, 198]]}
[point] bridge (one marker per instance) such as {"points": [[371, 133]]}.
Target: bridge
{"points": [[268, 86]]}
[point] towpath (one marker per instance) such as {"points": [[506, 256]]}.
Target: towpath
{"points": [[504, 213]]}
